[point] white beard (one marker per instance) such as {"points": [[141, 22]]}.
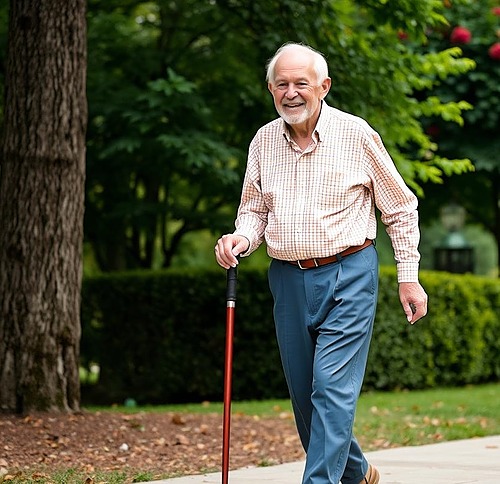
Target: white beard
{"points": [[295, 118]]}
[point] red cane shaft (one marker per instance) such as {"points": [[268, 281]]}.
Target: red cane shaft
{"points": [[232, 274], [228, 371]]}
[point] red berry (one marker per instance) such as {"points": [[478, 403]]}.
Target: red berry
{"points": [[494, 51], [460, 35]]}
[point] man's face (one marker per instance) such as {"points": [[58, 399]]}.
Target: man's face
{"points": [[297, 96]]}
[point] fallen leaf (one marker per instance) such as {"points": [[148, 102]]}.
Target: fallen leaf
{"points": [[178, 419], [181, 440], [40, 475]]}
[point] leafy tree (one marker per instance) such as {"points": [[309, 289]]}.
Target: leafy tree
{"points": [[474, 26], [158, 168], [177, 90], [42, 173]]}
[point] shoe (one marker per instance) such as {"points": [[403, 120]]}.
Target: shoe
{"points": [[372, 476]]}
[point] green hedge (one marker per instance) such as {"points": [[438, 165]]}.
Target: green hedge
{"points": [[158, 337], [457, 343]]}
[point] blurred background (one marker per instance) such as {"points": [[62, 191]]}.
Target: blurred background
{"points": [[176, 90]]}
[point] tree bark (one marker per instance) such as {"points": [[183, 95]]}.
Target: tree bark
{"points": [[42, 177]]}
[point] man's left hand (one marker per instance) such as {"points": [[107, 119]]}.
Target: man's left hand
{"points": [[414, 300]]}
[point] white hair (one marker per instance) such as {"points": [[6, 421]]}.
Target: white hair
{"points": [[320, 65]]}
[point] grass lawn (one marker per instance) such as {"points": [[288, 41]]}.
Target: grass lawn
{"points": [[394, 419], [421, 417]]}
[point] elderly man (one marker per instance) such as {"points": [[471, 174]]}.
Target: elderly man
{"points": [[314, 177]]}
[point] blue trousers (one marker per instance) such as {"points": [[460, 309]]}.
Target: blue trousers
{"points": [[324, 320]]}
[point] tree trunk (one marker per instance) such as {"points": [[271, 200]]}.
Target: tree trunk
{"points": [[42, 176]]}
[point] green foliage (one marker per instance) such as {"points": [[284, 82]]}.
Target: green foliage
{"points": [[171, 343], [403, 14], [177, 90], [379, 76], [476, 138], [156, 168], [451, 346], [159, 337], [479, 86]]}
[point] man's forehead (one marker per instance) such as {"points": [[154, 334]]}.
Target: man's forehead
{"points": [[297, 66], [295, 58]]}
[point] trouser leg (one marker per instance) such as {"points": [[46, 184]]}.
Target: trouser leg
{"points": [[324, 318], [296, 341]]}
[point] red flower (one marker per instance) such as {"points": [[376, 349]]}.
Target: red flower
{"points": [[496, 11], [460, 35], [494, 51], [402, 35]]}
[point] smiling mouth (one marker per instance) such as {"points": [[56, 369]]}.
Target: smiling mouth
{"points": [[294, 105]]}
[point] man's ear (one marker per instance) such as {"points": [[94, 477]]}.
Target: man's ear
{"points": [[270, 87], [325, 87]]}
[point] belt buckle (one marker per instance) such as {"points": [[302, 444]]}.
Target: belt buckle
{"points": [[305, 268]]}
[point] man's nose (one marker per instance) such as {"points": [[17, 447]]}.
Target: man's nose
{"points": [[291, 91]]}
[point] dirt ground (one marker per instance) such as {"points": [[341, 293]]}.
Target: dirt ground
{"points": [[161, 444]]}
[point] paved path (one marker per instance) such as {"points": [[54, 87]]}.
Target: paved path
{"points": [[458, 462]]}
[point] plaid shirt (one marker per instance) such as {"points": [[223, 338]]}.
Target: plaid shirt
{"points": [[319, 201]]}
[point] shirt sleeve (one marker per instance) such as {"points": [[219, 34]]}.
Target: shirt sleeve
{"points": [[398, 207], [251, 219]]}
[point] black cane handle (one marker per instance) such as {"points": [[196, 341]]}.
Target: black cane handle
{"points": [[232, 277]]}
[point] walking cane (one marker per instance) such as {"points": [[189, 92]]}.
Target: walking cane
{"points": [[232, 275]]}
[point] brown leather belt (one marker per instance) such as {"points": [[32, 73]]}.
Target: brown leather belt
{"points": [[321, 261]]}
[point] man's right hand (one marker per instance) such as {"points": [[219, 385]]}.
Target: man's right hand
{"points": [[228, 247]]}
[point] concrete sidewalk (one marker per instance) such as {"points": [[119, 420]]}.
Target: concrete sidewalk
{"points": [[457, 462]]}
